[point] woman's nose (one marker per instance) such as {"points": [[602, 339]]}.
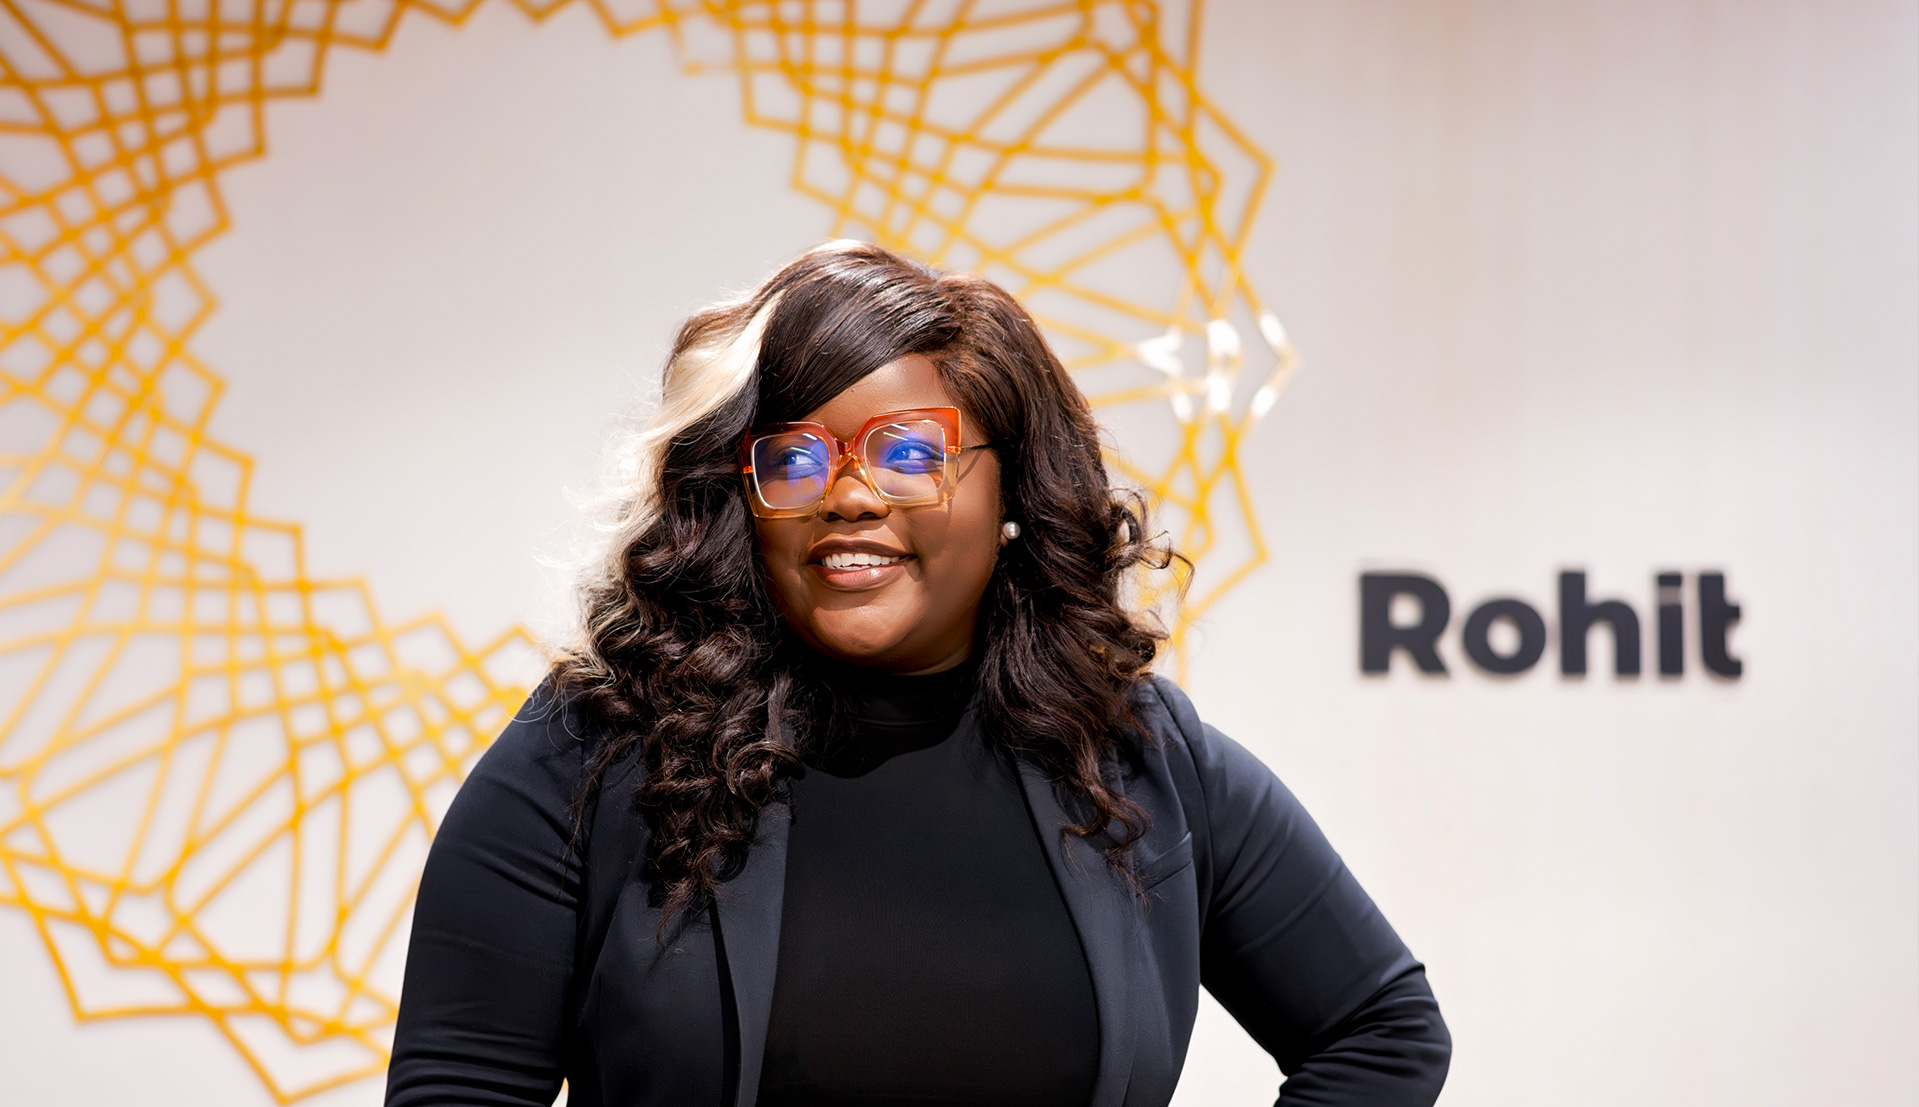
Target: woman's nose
{"points": [[849, 497]]}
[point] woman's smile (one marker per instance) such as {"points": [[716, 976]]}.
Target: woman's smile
{"points": [[857, 564]]}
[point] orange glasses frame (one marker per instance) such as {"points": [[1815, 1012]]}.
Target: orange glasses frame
{"points": [[947, 417]]}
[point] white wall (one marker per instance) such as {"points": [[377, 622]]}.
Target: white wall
{"points": [[1622, 287]]}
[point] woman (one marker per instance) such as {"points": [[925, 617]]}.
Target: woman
{"points": [[857, 789]]}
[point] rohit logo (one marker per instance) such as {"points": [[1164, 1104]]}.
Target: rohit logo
{"points": [[1381, 632]]}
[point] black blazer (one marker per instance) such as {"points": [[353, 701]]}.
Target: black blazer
{"points": [[530, 964]]}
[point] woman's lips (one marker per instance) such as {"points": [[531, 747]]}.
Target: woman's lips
{"points": [[858, 578]]}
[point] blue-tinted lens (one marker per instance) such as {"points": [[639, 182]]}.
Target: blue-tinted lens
{"points": [[790, 469], [907, 460]]}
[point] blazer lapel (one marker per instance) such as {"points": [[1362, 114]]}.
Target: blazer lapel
{"points": [[1103, 914], [749, 934]]}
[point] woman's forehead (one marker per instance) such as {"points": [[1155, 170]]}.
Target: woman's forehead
{"points": [[910, 382]]}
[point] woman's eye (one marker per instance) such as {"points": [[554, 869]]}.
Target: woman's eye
{"points": [[910, 455], [795, 460]]}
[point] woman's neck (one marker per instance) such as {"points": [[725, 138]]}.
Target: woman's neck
{"points": [[878, 696], [885, 714]]}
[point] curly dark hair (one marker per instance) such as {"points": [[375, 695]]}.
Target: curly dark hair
{"points": [[683, 660]]}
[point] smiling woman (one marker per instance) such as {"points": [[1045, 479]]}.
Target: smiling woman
{"points": [[857, 788]]}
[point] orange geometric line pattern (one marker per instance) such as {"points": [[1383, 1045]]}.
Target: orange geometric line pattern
{"points": [[218, 775]]}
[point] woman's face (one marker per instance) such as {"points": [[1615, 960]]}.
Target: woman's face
{"points": [[915, 615]]}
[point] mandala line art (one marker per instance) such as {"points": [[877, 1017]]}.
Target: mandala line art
{"points": [[219, 773]]}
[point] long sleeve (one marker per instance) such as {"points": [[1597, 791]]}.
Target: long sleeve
{"points": [[483, 1006], [1296, 951]]}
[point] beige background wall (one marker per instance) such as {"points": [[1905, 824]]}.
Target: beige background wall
{"points": [[1623, 287]]}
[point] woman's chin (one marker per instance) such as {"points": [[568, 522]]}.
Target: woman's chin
{"points": [[865, 654], [874, 643]]}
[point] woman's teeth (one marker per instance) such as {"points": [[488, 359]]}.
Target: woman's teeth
{"points": [[856, 560]]}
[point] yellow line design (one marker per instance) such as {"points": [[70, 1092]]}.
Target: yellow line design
{"points": [[218, 775]]}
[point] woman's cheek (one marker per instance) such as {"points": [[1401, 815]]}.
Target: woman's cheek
{"points": [[785, 569]]}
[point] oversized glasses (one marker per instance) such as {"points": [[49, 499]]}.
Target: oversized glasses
{"points": [[905, 457]]}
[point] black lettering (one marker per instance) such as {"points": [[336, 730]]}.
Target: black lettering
{"points": [[1379, 637], [1576, 617], [1478, 641], [1672, 632], [1716, 618]]}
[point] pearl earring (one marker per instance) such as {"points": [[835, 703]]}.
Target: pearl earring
{"points": [[1009, 530]]}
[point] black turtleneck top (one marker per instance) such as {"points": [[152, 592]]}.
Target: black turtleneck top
{"points": [[926, 955]]}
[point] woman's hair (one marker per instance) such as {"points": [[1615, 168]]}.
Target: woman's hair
{"points": [[682, 658]]}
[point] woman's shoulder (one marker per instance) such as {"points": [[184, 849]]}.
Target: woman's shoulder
{"points": [[1166, 716], [1164, 710], [547, 730], [539, 760], [1210, 771]]}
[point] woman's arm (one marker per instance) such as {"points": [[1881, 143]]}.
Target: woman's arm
{"points": [[1294, 948], [487, 972]]}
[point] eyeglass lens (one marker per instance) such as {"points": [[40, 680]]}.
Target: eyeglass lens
{"points": [[907, 460], [791, 470]]}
